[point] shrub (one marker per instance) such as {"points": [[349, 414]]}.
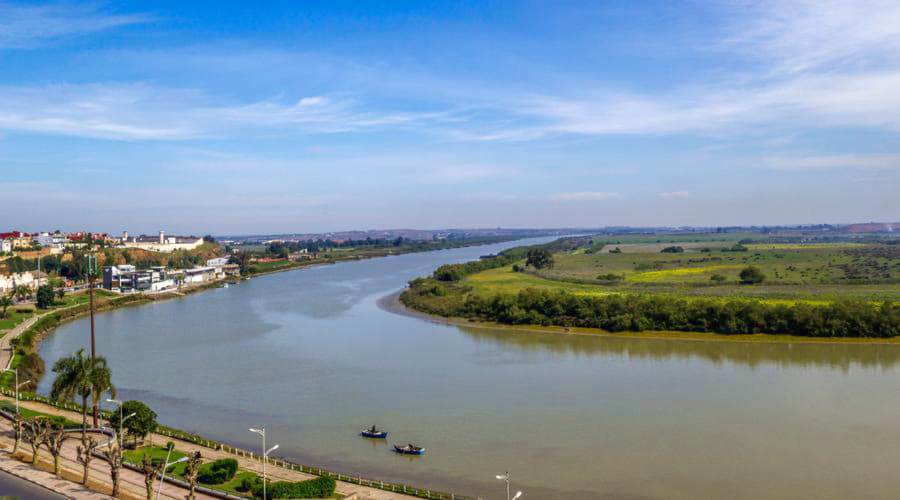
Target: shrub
{"points": [[610, 277], [752, 275], [672, 250], [616, 250], [218, 472], [249, 483], [320, 487], [717, 278]]}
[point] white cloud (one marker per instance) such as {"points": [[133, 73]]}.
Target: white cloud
{"points": [[828, 63], [675, 195], [144, 112], [850, 161], [584, 196], [23, 26]]}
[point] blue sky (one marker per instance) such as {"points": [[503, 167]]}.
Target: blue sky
{"points": [[231, 117]]}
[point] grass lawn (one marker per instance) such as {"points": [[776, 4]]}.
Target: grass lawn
{"points": [[177, 471], [10, 406]]}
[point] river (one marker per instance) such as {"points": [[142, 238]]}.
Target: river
{"points": [[309, 355]]}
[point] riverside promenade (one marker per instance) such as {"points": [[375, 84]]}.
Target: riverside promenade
{"points": [[132, 482]]}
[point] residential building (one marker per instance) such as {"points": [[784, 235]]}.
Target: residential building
{"points": [[56, 240], [202, 275], [31, 279], [126, 278], [17, 240]]}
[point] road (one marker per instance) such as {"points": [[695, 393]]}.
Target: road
{"points": [[12, 486]]}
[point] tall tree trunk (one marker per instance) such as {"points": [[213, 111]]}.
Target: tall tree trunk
{"points": [[56, 464], [18, 431], [83, 416], [114, 475]]}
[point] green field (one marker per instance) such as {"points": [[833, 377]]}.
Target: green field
{"points": [[794, 272]]}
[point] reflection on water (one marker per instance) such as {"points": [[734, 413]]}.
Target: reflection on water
{"points": [[841, 356], [310, 356]]}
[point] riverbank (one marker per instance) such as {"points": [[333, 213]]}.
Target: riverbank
{"points": [[392, 303]]}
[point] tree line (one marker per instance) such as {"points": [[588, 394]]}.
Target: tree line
{"points": [[631, 312]]}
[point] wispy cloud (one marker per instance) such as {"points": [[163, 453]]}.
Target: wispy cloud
{"points": [[144, 112], [809, 63], [851, 161], [675, 195], [583, 196], [24, 26]]}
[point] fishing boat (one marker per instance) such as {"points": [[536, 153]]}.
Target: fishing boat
{"points": [[373, 433], [409, 450]]}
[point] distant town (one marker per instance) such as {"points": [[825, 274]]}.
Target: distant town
{"points": [[161, 262]]}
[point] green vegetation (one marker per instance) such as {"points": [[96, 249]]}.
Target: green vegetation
{"points": [[82, 376], [830, 289], [320, 487], [218, 472], [140, 425]]}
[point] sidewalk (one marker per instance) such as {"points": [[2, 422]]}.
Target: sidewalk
{"points": [[274, 472]]}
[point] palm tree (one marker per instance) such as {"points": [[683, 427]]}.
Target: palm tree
{"points": [[101, 382], [81, 376], [5, 302]]}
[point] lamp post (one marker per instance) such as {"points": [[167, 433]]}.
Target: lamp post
{"points": [[121, 420], [17, 385], [262, 432], [162, 478], [505, 477]]}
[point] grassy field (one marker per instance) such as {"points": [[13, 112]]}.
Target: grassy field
{"points": [[815, 273]]}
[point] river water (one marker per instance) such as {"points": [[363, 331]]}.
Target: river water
{"points": [[310, 356]]}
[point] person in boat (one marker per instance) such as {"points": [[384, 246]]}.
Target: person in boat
{"points": [[373, 430]]}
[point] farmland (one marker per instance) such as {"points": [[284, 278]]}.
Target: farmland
{"points": [[748, 285], [793, 272]]}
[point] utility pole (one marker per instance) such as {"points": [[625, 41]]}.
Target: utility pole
{"points": [[91, 268]]}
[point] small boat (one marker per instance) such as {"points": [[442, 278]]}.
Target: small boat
{"points": [[409, 450], [373, 433]]}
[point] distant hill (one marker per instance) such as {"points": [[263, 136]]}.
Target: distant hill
{"points": [[873, 227]]}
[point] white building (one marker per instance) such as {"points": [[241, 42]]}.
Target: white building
{"points": [[32, 279], [217, 262], [161, 243], [51, 240], [201, 275]]}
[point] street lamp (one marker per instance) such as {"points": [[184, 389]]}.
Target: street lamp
{"points": [[162, 478], [121, 419], [262, 432], [17, 385], [505, 477]]}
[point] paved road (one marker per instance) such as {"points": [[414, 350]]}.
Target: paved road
{"points": [[13, 486]]}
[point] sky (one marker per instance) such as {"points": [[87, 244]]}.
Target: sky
{"points": [[247, 118]]}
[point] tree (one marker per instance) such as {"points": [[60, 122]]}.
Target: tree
{"points": [[85, 453], [752, 275], [100, 382], [539, 258], [672, 250], [17, 432], [5, 302], [114, 458], [190, 473], [141, 424], [54, 438], [81, 376], [33, 431], [21, 292], [150, 469], [45, 296], [717, 278]]}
